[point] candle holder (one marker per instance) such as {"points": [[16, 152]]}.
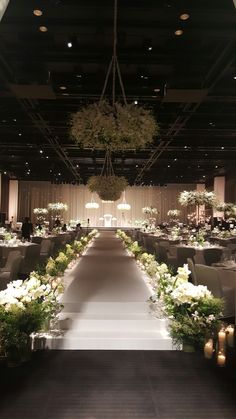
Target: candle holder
{"points": [[230, 335], [209, 349], [221, 359], [222, 340]]}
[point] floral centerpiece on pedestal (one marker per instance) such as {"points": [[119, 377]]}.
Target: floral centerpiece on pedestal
{"points": [[41, 214], [197, 198], [151, 220], [227, 207], [174, 213], [57, 209]]}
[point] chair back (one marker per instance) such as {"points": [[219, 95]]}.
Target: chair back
{"points": [[212, 256], [191, 267], [163, 252], [183, 253], [209, 276], [9, 276], [45, 248], [31, 258], [12, 255]]}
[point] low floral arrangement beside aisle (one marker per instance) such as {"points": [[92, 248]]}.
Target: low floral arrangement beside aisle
{"points": [[26, 305], [193, 312]]}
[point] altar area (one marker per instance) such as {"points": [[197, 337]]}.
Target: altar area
{"points": [[32, 194]]}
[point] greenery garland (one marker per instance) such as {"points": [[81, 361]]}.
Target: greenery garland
{"points": [[118, 127]]}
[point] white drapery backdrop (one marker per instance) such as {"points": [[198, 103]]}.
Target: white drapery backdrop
{"points": [[39, 194]]}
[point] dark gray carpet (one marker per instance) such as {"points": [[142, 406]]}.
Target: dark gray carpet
{"points": [[117, 385]]}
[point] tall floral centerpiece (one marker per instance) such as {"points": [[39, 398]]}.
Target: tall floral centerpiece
{"points": [[197, 198], [41, 214], [57, 209], [151, 214], [227, 207]]}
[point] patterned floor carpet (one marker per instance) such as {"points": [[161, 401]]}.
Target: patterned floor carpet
{"points": [[117, 385]]}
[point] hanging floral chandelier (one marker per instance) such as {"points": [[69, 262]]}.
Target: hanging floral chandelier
{"points": [[110, 125]]}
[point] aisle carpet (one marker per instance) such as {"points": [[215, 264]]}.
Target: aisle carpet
{"points": [[116, 385]]}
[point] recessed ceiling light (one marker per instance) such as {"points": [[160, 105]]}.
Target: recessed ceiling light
{"points": [[41, 151], [47, 157], [26, 163], [216, 167], [136, 165], [79, 76], [4, 173], [222, 148], [185, 146], [175, 159], [135, 102], [43, 28], [184, 16], [14, 120], [149, 48], [69, 44], [179, 32], [62, 87], [20, 134], [37, 12], [234, 77], [157, 90], [168, 165]]}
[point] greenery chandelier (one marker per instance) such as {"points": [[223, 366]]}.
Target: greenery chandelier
{"points": [[113, 126]]}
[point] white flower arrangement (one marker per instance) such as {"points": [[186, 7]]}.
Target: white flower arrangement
{"points": [[174, 213], [118, 127], [40, 211], [150, 211], [57, 206], [187, 198]]}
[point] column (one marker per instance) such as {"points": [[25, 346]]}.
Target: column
{"points": [[219, 189], [13, 200]]}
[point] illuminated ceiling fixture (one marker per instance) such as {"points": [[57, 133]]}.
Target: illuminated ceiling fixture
{"points": [[43, 28], [179, 32], [37, 12], [62, 87], [184, 16], [124, 206], [107, 201], [92, 204]]}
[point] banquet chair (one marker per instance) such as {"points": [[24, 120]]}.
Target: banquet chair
{"points": [[212, 256], [191, 267], [10, 275], [45, 250], [199, 258], [8, 261], [31, 259], [183, 253], [210, 277]]}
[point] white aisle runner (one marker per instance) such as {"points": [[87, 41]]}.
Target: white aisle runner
{"points": [[105, 303]]}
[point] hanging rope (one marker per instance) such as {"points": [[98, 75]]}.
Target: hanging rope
{"points": [[114, 65]]}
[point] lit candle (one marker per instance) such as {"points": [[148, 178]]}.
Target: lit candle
{"points": [[221, 359], [208, 349], [230, 335], [221, 339]]}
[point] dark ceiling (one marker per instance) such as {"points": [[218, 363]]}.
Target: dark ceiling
{"points": [[188, 80]]}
